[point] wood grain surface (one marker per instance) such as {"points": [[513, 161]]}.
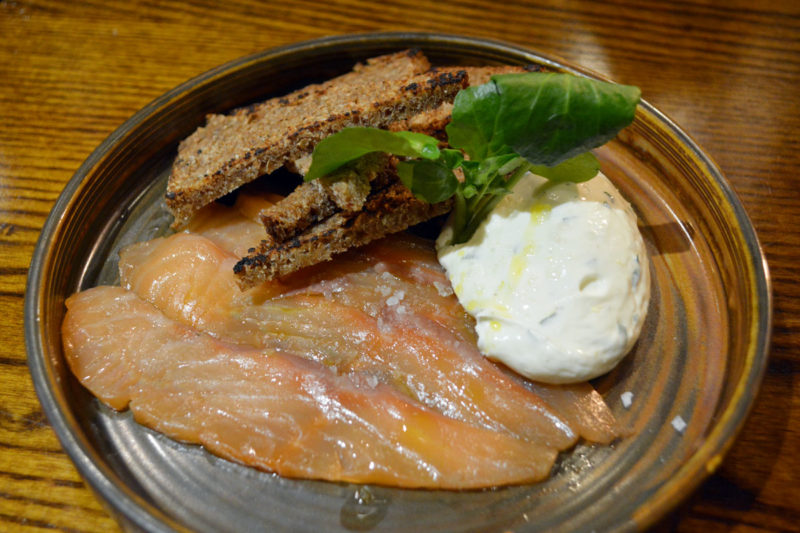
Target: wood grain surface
{"points": [[727, 72]]}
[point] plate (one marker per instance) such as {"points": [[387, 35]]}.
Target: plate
{"points": [[699, 360]]}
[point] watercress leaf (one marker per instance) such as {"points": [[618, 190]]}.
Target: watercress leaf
{"points": [[472, 125], [405, 171], [511, 165], [470, 165], [420, 145], [459, 216], [497, 185], [479, 174], [430, 181], [451, 158], [349, 144], [496, 165], [580, 168], [548, 118], [467, 190], [498, 188]]}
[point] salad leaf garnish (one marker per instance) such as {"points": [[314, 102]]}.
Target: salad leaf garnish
{"points": [[580, 168], [349, 144], [431, 180], [544, 123], [546, 118]]}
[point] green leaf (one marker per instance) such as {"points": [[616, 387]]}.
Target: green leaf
{"points": [[492, 166], [430, 181], [472, 127], [545, 118], [349, 144], [549, 118], [468, 191], [546, 123], [452, 159], [580, 168], [470, 212]]}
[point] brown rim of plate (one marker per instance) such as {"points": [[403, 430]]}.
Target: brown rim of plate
{"points": [[41, 333]]}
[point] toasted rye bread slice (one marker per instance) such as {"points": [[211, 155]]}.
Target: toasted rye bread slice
{"points": [[387, 211], [234, 149], [345, 190]]}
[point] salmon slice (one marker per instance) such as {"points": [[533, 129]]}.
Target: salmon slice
{"points": [[278, 412], [350, 322], [583, 408], [193, 278], [471, 388], [416, 355], [401, 269], [237, 228], [227, 228]]}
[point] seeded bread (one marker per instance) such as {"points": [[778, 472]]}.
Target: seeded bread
{"points": [[234, 149]]}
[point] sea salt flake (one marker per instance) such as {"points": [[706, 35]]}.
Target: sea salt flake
{"points": [[679, 424], [395, 298], [385, 290], [383, 327], [443, 289], [627, 399]]}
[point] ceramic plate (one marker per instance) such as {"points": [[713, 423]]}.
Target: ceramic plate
{"points": [[699, 360]]}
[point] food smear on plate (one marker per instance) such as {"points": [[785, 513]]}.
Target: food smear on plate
{"points": [[557, 278], [305, 332]]}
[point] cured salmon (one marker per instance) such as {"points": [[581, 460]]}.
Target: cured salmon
{"points": [[582, 407], [353, 318], [276, 411], [237, 228]]}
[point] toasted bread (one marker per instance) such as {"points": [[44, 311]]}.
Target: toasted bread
{"points": [[361, 202], [345, 190], [388, 209], [231, 150]]}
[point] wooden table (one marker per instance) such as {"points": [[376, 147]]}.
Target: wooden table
{"points": [[728, 73]]}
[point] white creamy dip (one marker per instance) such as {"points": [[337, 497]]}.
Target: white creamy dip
{"points": [[557, 278]]}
